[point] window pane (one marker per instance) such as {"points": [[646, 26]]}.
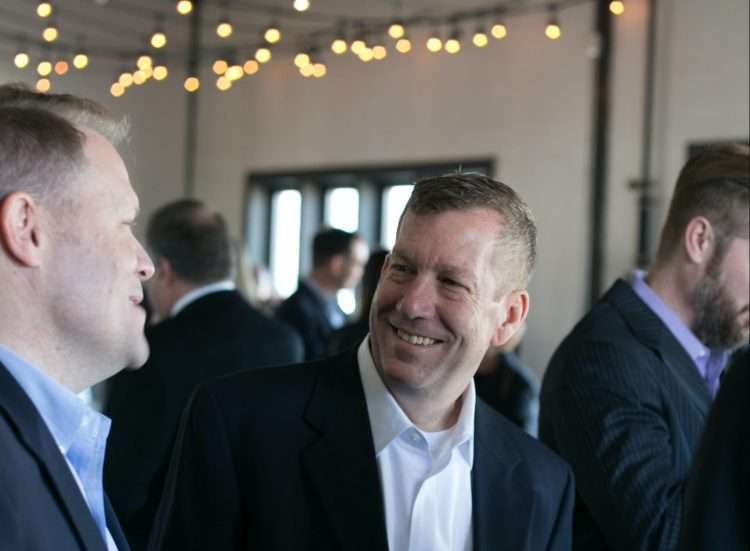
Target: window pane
{"points": [[394, 201], [342, 208], [347, 300], [286, 212]]}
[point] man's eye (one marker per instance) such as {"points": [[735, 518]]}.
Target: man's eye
{"points": [[399, 268]]}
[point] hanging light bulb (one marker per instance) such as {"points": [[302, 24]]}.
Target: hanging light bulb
{"points": [[480, 39], [319, 70], [223, 83], [61, 67], [44, 9], [22, 59], [552, 30], [301, 5], [144, 61], [498, 29], [617, 7], [44, 68], [80, 60], [139, 78], [263, 55], [339, 46], [50, 32], [43, 85], [307, 70], [396, 30], [379, 52], [161, 72], [184, 7], [453, 44], [302, 59], [125, 79], [158, 38], [366, 54], [220, 67], [148, 72], [234, 72], [434, 43], [117, 89], [251, 67], [403, 45], [357, 46], [192, 84], [272, 33], [224, 28]]}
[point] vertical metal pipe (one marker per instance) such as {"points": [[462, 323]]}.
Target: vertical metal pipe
{"points": [[192, 68], [600, 140]]}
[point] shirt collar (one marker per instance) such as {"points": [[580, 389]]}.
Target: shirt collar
{"points": [[388, 420], [200, 292], [64, 413]]}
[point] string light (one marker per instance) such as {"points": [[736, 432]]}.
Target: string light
{"points": [[307, 70], [453, 44], [319, 70], [139, 78], [43, 85], [379, 52], [148, 72], [61, 67], [499, 30], [192, 84], [302, 59], [144, 61], [339, 46], [396, 30], [234, 72], [251, 67], [80, 60], [44, 68], [263, 55], [50, 32], [434, 43], [22, 59], [272, 34], [125, 79], [117, 89], [158, 38], [552, 30], [184, 7], [357, 45], [617, 7], [223, 83], [366, 54], [220, 67], [161, 72], [403, 45], [301, 5], [44, 9], [224, 28], [480, 39]]}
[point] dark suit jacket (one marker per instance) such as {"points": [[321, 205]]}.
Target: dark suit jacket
{"points": [[512, 390], [717, 500], [217, 334], [624, 404], [41, 506], [305, 311], [283, 459]]}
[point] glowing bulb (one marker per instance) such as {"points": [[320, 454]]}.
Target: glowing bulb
{"points": [[43, 85], [80, 61], [234, 72], [139, 77], [357, 46], [307, 70], [339, 46], [158, 39], [251, 67], [44, 68], [617, 7], [144, 61], [301, 5], [220, 66], [452, 46], [224, 29], [192, 84], [403, 45], [434, 44], [366, 54], [553, 31], [480, 39], [302, 60], [396, 30], [319, 70], [272, 35], [160, 72], [499, 31], [125, 80], [22, 60], [117, 89], [223, 83], [61, 67], [44, 9], [50, 33], [379, 52], [263, 55], [148, 72], [184, 7]]}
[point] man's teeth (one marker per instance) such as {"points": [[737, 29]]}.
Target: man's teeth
{"points": [[415, 339]]}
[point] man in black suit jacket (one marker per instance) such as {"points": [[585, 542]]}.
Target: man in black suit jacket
{"points": [[207, 330], [625, 396], [70, 315], [717, 499], [339, 258], [386, 447]]}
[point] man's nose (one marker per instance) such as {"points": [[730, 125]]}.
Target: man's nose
{"points": [[145, 266], [418, 299]]}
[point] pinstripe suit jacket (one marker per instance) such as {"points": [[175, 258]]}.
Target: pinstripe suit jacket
{"points": [[624, 404]]}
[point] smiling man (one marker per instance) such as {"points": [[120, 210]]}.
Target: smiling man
{"points": [[70, 314], [387, 446]]}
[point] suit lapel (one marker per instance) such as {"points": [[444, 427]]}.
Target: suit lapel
{"points": [[502, 506], [651, 331], [341, 464], [35, 435], [113, 525]]}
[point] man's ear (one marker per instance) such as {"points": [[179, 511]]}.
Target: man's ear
{"points": [[20, 229], [164, 271], [515, 307], [699, 240]]}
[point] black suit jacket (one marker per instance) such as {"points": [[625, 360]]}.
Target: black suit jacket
{"points": [[283, 459], [217, 334], [305, 311], [717, 500], [624, 404], [41, 506]]}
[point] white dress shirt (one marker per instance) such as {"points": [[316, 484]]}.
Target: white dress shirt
{"points": [[425, 476]]}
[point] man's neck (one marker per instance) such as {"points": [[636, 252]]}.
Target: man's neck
{"points": [[425, 414], [324, 282], [675, 290]]}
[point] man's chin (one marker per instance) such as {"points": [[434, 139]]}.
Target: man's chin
{"points": [[140, 356]]}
